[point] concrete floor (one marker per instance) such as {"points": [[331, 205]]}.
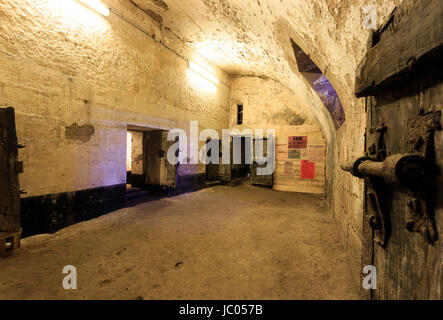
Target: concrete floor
{"points": [[224, 242]]}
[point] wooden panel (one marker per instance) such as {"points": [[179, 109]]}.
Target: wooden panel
{"points": [[409, 267], [153, 145], [431, 98], [9, 184], [367, 257], [409, 45], [213, 169], [289, 157], [412, 35], [256, 179], [169, 176], [220, 171], [224, 172], [266, 180]]}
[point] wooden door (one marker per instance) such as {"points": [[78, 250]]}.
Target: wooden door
{"points": [[158, 171], [9, 170], [213, 169], [225, 170], [169, 171], [402, 79], [152, 142], [265, 180]]}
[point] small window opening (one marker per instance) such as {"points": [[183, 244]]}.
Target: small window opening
{"points": [[209, 152], [239, 114]]}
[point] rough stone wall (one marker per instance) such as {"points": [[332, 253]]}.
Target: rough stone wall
{"points": [[254, 38], [348, 196], [351, 43], [332, 34], [137, 153], [77, 79], [129, 152], [38, 42], [267, 104]]}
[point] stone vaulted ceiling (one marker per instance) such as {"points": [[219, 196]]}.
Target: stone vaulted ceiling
{"points": [[253, 37]]}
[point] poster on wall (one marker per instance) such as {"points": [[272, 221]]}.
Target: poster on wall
{"points": [[297, 142], [307, 170], [288, 168], [281, 152], [317, 153], [294, 154]]}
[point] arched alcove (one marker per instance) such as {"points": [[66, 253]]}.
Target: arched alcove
{"points": [[320, 83]]}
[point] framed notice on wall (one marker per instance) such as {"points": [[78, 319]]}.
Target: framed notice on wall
{"points": [[307, 170], [294, 154], [288, 168], [298, 142]]}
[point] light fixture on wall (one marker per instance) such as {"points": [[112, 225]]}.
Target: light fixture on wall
{"points": [[97, 6], [203, 72]]}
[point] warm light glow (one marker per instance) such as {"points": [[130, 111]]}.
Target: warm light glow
{"points": [[96, 5], [203, 72], [75, 19], [129, 152], [201, 82]]}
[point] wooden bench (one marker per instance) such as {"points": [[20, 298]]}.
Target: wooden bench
{"points": [[9, 241]]}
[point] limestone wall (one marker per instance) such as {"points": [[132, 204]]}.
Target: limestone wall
{"points": [[137, 152], [129, 152], [254, 37], [269, 105], [77, 79], [348, 196]]}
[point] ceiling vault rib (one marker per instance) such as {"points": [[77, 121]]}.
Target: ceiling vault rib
{"points": [[121, 16]]}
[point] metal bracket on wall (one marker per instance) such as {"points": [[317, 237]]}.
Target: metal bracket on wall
{"points": [[421, 133], [377, 217], [375, 141], [376, 150], [415, 172], [404, 170], [419, 208]]}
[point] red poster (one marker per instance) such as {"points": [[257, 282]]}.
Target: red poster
{"points": [[297, 142], [307, 170]]}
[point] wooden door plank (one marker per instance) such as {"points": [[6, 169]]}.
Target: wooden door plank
{"points": [[9, 183], [414, 35]]}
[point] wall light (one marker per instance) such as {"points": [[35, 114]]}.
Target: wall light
{"points": [[97, 6], [203, 72], [201, 82]]}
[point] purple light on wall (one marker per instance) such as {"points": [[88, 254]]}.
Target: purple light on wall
{"points": [[320, 84]]}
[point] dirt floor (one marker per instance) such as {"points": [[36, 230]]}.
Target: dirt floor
{"points": [[224, 242]]}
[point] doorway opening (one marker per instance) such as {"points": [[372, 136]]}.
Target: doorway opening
{"points": [[147, 167], [242, 169], [134, 160], [243, 166]]}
